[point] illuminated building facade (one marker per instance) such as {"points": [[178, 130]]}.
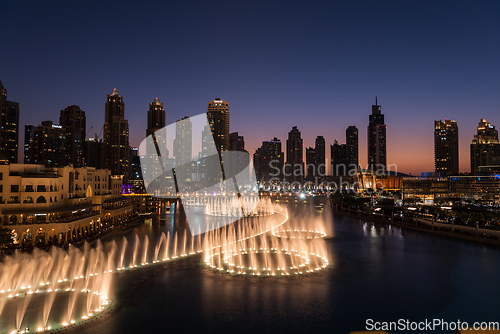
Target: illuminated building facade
{"points": [[58, 205], [73, 120], [446, 147], [267, 159], [116, 148], [9, 127], [218, 119], [377, 151], [48, 146], [156, 117], [485, 147]]}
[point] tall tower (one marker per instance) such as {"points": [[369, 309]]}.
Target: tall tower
{"points": [[29, 135], [269, 154], [74, 121], [351, 138], [294, 155], [156, 117], [338, 159], [48, 146], [218, 119], [9, 125], [116, 148], [183, 142], [319, 156], [485, 147], [377, 156], [446, 147]]}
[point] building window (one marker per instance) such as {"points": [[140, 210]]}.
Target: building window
{"points": [[28, 199], [14, 188], [41, 199], [29, 188], [1, 176], [1, 188], [40, 187]]}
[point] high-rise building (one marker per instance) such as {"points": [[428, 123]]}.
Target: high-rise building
{"points": [[48, 146], [485, 147], [136, 164], [73, 120], [183, 142], [94, 153], [344, 157], [9, 127], [218, 119], [377, 154], [310, 163], [116, 148], [236, 142], [446, 147], [351, 138], [29, 134], [339, 160], [267, 159], [156, 117], [294, 156], [319, 156], [315, 160]]}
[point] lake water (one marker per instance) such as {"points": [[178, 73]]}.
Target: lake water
{"points": [[378, 272]]}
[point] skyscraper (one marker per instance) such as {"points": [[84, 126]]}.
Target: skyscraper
{"points": [[294, 156], [29, 134], [315, 160], [94, 153], [310, 163], [48, 146], [339, 160], [319, 156], [156, 117], [485, 147], [267, 158], [73, 120], [9, 125], [351, 138], [344, 157], [377, 155], [236, 142], [183, 142], [116, 136], [218, 119], [446, 147]]}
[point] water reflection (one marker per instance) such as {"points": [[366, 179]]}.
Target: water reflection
{"points": [[379, 272]]}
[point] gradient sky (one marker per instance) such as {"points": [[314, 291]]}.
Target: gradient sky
{"points": [[317, 65]]}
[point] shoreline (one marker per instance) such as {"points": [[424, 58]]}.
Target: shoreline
{"points": [[445, 230]]}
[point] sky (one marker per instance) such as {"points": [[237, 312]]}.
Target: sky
{"points": [[316, 65]]}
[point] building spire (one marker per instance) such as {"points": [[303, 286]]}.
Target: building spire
{"points": [[376, 101]]}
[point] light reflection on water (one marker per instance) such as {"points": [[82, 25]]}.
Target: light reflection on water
{"points": [[379, 272]]}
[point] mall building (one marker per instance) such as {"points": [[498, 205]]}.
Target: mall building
{"points": [[58, 205]]}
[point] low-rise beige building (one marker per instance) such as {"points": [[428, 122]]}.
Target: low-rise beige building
{"points": [[57, 205]]}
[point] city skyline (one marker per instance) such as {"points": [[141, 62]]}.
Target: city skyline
{"points": [[328, 141]]}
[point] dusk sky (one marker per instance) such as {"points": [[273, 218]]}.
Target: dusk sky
{"points": [[317, 65]]}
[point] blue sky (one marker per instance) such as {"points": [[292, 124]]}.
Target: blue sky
{"points": [[317, 65]]}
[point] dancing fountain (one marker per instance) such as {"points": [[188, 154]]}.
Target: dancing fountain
{"points": [[261, 244]]}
